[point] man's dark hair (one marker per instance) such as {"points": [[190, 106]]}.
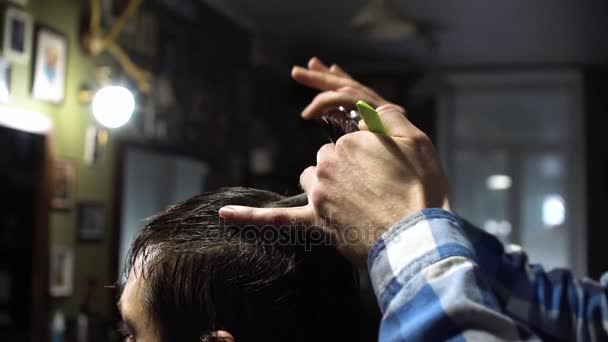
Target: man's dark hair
{"points": [[202, 274]]}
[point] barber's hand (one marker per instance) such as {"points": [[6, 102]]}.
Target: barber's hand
{"points": [[337, 88], [362, 185]]}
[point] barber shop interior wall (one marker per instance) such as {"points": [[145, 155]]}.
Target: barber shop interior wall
{"points": [[70, 120]]}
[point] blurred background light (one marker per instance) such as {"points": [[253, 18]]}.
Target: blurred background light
{"points": [[500, 228], [24, 120], [499, 182], [113, 106], [554, 211]]}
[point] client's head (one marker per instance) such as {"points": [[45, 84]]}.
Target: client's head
{"points": [[193, 277]]}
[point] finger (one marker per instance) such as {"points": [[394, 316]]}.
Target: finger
{"points": [[325, 152], [268, 216], [328, 100], [396, 122], [337, 70], [319, 80], [308, 178], [362, 125], [391, 106], [317, 65]]}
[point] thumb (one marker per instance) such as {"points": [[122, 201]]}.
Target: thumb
{"points": [[268, 216]]}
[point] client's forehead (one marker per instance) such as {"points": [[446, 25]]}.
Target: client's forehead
{"points": [[130, 303], [133, 310]]}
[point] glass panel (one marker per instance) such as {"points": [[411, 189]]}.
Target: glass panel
{"points": [[544, 208], [519, 115], [480, 190]]}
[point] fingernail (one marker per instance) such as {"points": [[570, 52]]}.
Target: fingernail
{"points": [[297, 68], [227, 211]]}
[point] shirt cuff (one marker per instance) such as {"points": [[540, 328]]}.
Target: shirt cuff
{"points": [[413, 244]]}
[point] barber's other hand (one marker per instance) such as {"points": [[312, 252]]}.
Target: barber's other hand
{"points": [[337, 88], [364, 184]]}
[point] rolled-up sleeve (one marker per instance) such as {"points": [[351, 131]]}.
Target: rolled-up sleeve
{"points": [[429, 285], [437, 277]]}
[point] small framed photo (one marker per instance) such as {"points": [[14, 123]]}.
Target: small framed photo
{"points": [[5, 81], [17, 35], [50, 65], [64, 184], [61, 275], [91, 221]]}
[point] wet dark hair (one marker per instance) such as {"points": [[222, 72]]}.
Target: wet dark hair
{"points": [[201, 274]]}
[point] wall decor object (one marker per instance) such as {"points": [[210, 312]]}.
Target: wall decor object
{"points": [[17, 35], [50, 65], [5, 81], [95, 142], [61, 273], [113, 9], [91, 221], [99, 39], [64, 184]]}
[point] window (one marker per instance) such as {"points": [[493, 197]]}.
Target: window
{"points": [[512, 144]]}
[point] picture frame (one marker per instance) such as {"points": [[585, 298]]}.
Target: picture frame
{"points": [[91, 221], [17, 35], [50, 65], [64, 184], [5, 81], [61, 272]]}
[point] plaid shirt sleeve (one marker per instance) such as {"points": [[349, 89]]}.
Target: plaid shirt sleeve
{"points": [[437, 277]]}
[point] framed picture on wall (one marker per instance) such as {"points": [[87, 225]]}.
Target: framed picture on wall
{"points": [[91, 221], [64, 184], [5, 81], [61, 273], [50, 65], [17, 35]]}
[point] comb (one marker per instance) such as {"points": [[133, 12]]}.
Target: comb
{"points": [[371, 118]]}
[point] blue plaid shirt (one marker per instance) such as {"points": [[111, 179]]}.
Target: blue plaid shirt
{"points": [[438, 278]]}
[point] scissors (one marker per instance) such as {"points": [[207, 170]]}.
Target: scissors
{"points": [[341, 121]]}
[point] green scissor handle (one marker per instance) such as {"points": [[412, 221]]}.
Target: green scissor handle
{"points": [[371, 118]]}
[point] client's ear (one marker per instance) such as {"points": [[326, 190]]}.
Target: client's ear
{"points": [[219, 336]]}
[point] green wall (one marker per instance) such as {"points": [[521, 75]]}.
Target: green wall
{"points": [[70, 120]]}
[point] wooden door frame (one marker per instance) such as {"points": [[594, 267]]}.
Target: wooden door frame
{"points": [[40, 278]]}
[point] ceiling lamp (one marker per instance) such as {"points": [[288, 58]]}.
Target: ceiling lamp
{"points": [[379, 19]]}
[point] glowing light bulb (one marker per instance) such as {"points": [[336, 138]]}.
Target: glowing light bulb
{"points": [[113, 106], [554, 211], [499, 182]]}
